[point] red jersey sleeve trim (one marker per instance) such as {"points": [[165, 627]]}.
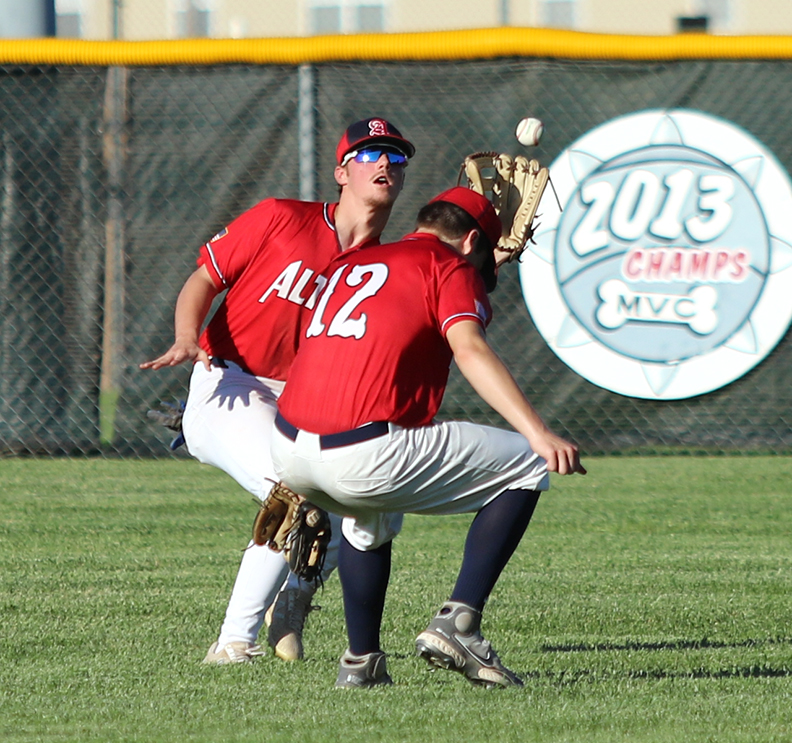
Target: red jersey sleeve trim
{"points": [[454, 319]]}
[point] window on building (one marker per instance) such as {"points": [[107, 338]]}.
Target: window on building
{"points": [[326, 20], [346, 16], [557, 13], [192, 19], [717, 11], [68, 26], [68, 19], [370, 18]]}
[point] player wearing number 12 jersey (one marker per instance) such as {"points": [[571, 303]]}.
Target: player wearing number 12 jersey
{"points": [[355, 432], [399, 369], [269, 262]]}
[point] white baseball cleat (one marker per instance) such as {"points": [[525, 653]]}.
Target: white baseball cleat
{"points": [[232, 652]]}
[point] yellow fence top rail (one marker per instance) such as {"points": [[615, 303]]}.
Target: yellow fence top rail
{"points": [[437, 46]]}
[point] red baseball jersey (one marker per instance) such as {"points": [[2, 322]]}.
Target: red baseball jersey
{"points": [[374, 348], [270, 260]]}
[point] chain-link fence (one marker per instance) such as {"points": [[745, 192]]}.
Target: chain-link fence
{"points": [[142, 165]]}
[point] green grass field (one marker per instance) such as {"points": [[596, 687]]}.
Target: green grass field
{"points": [[649, 601]]}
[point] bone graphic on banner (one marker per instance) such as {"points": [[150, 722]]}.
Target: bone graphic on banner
{"points": [[620, 304]]}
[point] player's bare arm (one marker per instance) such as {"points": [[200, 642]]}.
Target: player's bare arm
{"points": [[489, 376], [192, 306]]}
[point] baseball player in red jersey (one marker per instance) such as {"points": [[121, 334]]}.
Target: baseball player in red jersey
{"points": [[355, 432], [269, 261]]}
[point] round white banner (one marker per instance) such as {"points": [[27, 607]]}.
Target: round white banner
{"points": [[668, 273]]}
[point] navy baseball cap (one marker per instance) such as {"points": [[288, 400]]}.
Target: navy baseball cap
{"points": [[374, 129]]}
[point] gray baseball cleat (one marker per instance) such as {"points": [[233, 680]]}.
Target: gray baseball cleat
{"points": [[362, 671], [453, 641]]}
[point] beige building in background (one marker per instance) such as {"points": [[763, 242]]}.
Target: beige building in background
{"points": [[172, 19]]}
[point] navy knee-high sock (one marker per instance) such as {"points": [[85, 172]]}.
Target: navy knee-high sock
{"points": [[491, 540], [364, 581]]}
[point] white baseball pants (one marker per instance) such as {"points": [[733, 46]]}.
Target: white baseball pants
{"points": [[228, 424], [443, 468]]}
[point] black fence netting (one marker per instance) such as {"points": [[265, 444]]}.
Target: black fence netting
{"points": [[152, 161]]}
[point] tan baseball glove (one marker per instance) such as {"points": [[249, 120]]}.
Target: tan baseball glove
{"points": [[287, 523], [515, 186]]}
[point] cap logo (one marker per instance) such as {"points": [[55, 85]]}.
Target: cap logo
{"points": [[378, 128]]}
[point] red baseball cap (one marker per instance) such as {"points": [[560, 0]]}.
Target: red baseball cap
{"points": [[480, 208], [374, 129], [477, 206]]}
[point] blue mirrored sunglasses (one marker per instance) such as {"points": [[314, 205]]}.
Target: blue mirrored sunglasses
{"points": [[373, 154]]}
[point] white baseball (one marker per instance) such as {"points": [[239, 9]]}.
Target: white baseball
{"points": [[529, 131]]}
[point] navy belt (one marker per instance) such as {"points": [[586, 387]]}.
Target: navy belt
{"points": [[223, 364], [333, 440]]}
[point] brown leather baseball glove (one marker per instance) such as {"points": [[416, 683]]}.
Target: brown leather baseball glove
{"points": [[287, 523]]}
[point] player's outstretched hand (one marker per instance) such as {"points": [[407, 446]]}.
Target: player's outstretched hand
{"points": [[561, 455], [178, 353]]}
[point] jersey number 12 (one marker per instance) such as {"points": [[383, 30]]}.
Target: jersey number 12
{"points": [[342, 323]]}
